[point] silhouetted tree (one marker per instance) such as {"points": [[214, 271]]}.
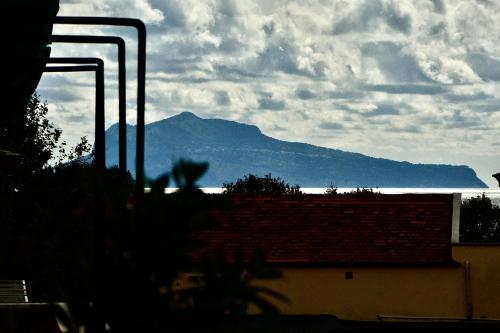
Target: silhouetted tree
{"points": [[79, 236], [38, 141], [479, 221], [260, 185]]}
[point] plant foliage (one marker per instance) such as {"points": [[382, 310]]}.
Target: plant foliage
{"points": [[479, 221], [253, 184], [357, 192], [38, 141], [78, 235]]}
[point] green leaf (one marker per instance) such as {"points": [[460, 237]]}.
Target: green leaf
{"points": [[186, 173], [159, 184]]}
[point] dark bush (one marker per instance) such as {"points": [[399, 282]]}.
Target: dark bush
{"points": [[479, 221], [260, 185]]}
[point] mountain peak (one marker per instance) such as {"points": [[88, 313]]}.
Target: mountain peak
{"points": [[186, 115]]}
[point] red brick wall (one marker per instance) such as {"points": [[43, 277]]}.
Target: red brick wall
{"points": [[378, 229]]}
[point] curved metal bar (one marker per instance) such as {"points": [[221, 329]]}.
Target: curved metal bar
{"points": [[141, 78], [66, 69], [122, 97], [100, 153], [76, 60]]}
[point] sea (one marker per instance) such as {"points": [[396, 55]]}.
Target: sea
{"points": [[467, 193]]}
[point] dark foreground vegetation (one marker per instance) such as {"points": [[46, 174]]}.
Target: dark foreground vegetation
{"points": [[479, 221], [80, 236]]}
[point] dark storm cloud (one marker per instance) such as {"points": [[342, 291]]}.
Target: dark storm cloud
{"points": [[304, 115], [493, 107], [222, 98], [486, 3], [383, 110], [458, 120], [415, 89], [52, 80], [406, 129], [345, 94], [58, 94], [438, 29], [269, 28], [304, 94], [343, 107], [432, 121], [235, 74], [395, 65], [188, 48], [77, 118], [173, 65], [439, 6], [279, 56], [331, 126], [59, 88], [484, 66], [268, 103], [467, 98], [174, 14], [230, 45], [396, 21]]}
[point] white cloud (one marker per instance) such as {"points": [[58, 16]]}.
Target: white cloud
{"points": [[414, 76], [120, 8]]}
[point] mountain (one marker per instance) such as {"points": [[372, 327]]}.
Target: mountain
{"points": [[234, 149]]}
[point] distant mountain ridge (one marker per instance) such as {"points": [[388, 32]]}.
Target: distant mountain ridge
{"points": [[233, 149]]}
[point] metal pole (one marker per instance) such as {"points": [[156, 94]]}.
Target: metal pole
{"points": [[141, 79], [99, 104], [95, 323], [122, 97], [468, 290]]}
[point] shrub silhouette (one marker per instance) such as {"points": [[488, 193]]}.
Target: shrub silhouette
{"points": [[479, 221], [38, 142], [78, 235], [360, 192], [253, 184]]}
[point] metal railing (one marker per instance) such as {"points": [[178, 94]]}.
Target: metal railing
{"points": [[97, 67], [141, 78], [122, 99]]}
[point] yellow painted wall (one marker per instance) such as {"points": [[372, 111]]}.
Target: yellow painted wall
{"points": [[485, 275], [410, 291], [436, 292], [392, 291]]}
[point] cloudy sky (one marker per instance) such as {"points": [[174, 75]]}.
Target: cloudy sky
{"points": [[406, 80]]}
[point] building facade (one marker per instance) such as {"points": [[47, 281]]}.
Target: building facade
{"points": [[374, 257]]}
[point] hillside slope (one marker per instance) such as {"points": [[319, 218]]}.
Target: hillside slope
{"points": [[234, 149]]}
